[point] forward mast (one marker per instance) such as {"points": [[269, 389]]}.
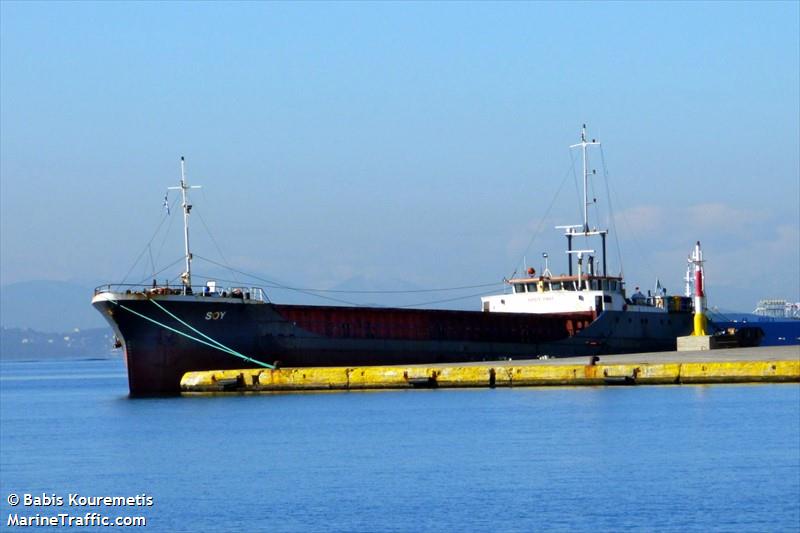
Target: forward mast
{"points": [[186, 276]]}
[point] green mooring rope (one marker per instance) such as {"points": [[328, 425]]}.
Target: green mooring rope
{"points": [[216, 345]]}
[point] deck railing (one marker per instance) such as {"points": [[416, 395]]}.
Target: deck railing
{"points": [[245, 293]]}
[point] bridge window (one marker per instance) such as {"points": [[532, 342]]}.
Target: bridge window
{"points": [[531, 287], [555, 286], [519, 287]]}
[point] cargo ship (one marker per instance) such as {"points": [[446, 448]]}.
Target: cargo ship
{"points": [[166, 331]]}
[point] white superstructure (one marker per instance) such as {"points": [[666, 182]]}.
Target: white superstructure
{"points": [[558, 294]]}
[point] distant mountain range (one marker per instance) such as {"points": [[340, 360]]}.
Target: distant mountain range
{"points": [[48, 306], [379, 292]]}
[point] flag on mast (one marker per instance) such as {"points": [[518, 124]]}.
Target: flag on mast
{"points": [[166, 203]]}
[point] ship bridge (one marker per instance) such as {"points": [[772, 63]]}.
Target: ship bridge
{"points": [[559, 294]]}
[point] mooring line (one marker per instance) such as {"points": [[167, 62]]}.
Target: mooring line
{"points": [[217, 345]]}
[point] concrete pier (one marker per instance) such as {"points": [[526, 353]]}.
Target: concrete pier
{"points": [[736, 365], [692, 343]]}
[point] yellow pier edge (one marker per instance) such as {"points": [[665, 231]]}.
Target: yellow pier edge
{"points": [[488, 375]]}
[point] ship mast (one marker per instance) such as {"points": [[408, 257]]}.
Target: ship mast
{"points": [[186, 276], [570, 231], [583, 144]]}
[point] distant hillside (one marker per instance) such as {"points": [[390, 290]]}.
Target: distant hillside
{"points": [[51, 306], [398, 292], [27, 344]]}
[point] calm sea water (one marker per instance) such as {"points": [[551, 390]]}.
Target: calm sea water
{"points": [[672, 458]]}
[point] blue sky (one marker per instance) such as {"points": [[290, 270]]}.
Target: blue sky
{"points": [[401, 143]]}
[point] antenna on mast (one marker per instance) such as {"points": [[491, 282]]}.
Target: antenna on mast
{"points": [[583, 144], [186, 276], [570, 231]]}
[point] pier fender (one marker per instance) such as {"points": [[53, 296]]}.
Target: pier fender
{"points": [[228, 383], [619, 380], [422, 382], [624, 379]]}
